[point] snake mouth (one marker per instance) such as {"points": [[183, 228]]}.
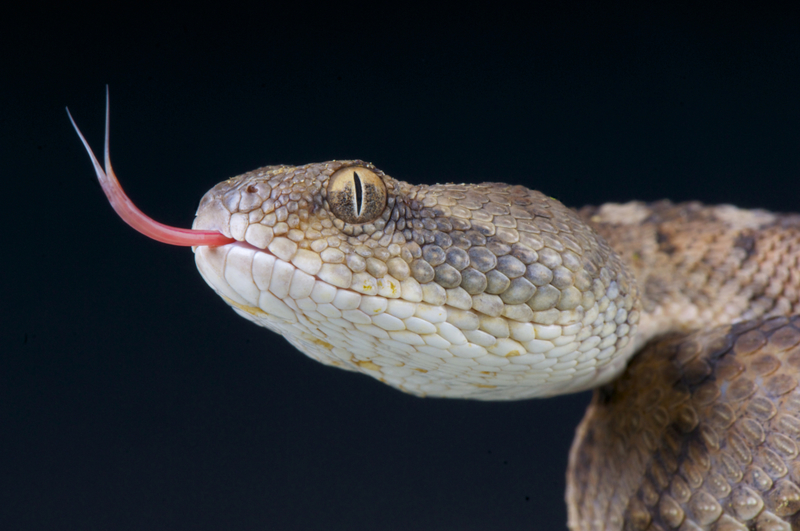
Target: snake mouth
{"points": [[131, 214]]}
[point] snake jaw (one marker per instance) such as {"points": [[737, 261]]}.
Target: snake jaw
{"points": [[134, 217]]}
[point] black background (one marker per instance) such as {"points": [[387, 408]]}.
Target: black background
{"points": [[131, 397]]}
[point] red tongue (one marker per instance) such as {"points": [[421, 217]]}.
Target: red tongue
{"points": [[135, 217]]}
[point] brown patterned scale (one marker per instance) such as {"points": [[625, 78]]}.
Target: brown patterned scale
{"points": [[701, 432]]}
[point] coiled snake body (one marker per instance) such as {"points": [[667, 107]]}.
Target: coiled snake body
{"points": [[498, 292]]}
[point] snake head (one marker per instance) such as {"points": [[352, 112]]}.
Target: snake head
{"points": [[484, 291]]}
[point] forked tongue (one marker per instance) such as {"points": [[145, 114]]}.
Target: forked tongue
{"points": [[134, 217]]}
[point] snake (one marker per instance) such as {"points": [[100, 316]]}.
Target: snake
{"points": [[684, 319]]}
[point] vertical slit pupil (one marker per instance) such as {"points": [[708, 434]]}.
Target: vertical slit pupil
{"points": [[359, 194]]}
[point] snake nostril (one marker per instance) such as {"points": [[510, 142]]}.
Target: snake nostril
{"points": [[251, 189]]}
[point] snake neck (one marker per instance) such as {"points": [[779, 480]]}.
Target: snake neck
{"points": [[699, 265]]}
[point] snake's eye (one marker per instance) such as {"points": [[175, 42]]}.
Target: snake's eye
{"points": [[356, 195]]}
